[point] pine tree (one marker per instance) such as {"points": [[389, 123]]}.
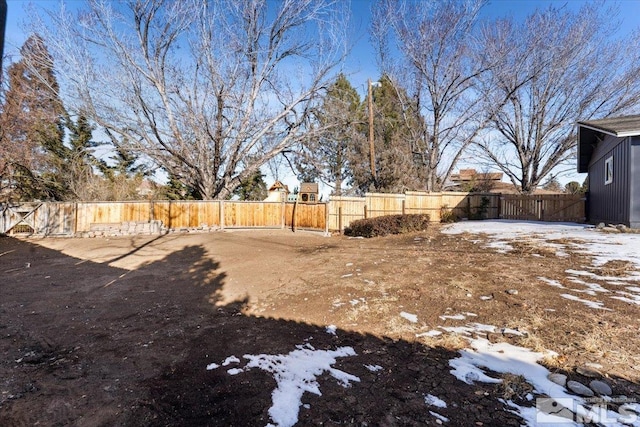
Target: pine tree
{"points": [[326, 155]]}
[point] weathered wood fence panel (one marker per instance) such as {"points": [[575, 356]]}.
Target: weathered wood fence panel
{"points": [[418, 202], [545, 207], [380, 204], [253, 214], [307, 216], [343, 210]]}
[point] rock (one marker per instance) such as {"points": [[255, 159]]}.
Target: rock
{"points": [[588, 371], [600, 226], [621, 227], [601, 388], [579, 388], [512, 291], [559, 379], [610, 230]]}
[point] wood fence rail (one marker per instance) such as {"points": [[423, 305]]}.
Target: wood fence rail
{"points": [[69, 218]]}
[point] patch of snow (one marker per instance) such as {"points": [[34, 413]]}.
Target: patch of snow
{"points": [[552, 282], [486, 297], [592, 287], [432, 400], [630, 298], [373, 368], [506, 358], [598, 305], [212, 366], [229, 360], [431, 333], [510, 331], [410, 317], [453, 317], [331, 329], [295, 373], [603, 247], [440, 417], [234, 371], [344, 276]]}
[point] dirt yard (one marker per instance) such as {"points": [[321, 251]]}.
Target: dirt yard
{"points": [[140, 330]]}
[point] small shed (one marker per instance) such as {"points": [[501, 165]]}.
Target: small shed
{"points": [[609, 151]]}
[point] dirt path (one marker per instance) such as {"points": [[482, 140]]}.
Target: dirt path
{"points": [[120, 331]]}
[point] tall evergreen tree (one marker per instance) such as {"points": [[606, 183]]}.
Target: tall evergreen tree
{"points": [[325, 156], [396, 150], [31, 125]]}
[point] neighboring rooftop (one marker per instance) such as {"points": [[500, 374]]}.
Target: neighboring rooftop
{"points": [[467, 175]]}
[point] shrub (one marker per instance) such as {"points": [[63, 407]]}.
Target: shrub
{"points": [[447, 215], [384, 225]]}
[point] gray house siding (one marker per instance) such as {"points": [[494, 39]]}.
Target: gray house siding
{"points": [[634, 183], [610, 202]]}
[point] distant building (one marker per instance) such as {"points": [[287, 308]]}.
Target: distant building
{"points": [[470, 179], [609, 151], [278, 192]]}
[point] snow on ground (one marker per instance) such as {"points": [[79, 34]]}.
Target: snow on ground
{"points": [[504, 358], [583, 239], [408, 316], [295, 373], [432, 400], [603, 246]]}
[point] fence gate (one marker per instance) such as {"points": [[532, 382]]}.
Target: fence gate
{"points": [[546, 207], [19, 219]]}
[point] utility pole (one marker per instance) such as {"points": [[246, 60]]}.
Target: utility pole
{"points": [[372, 152]]}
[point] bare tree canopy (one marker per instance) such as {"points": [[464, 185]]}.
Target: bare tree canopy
{"points": [[210, 91], [553, 69], [435, 42]]}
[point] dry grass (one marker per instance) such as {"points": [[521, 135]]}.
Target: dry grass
{"points": [[615, 268], [528, 247]]}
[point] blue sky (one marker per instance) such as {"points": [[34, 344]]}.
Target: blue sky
{"points": [[361, 63]]}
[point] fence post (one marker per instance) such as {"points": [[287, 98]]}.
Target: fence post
{"points": [[403, 212], [221, 206], [75, 219], [365, 211], [326, 219], [340, 219]]}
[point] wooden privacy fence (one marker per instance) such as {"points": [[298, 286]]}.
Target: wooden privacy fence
{"points": [[546, 207], [343, 210], [84, 217], [54, 218]]}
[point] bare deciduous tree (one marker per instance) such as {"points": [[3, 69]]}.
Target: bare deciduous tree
{"points": [[555, 68], [435, 40], [210, 91]]}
